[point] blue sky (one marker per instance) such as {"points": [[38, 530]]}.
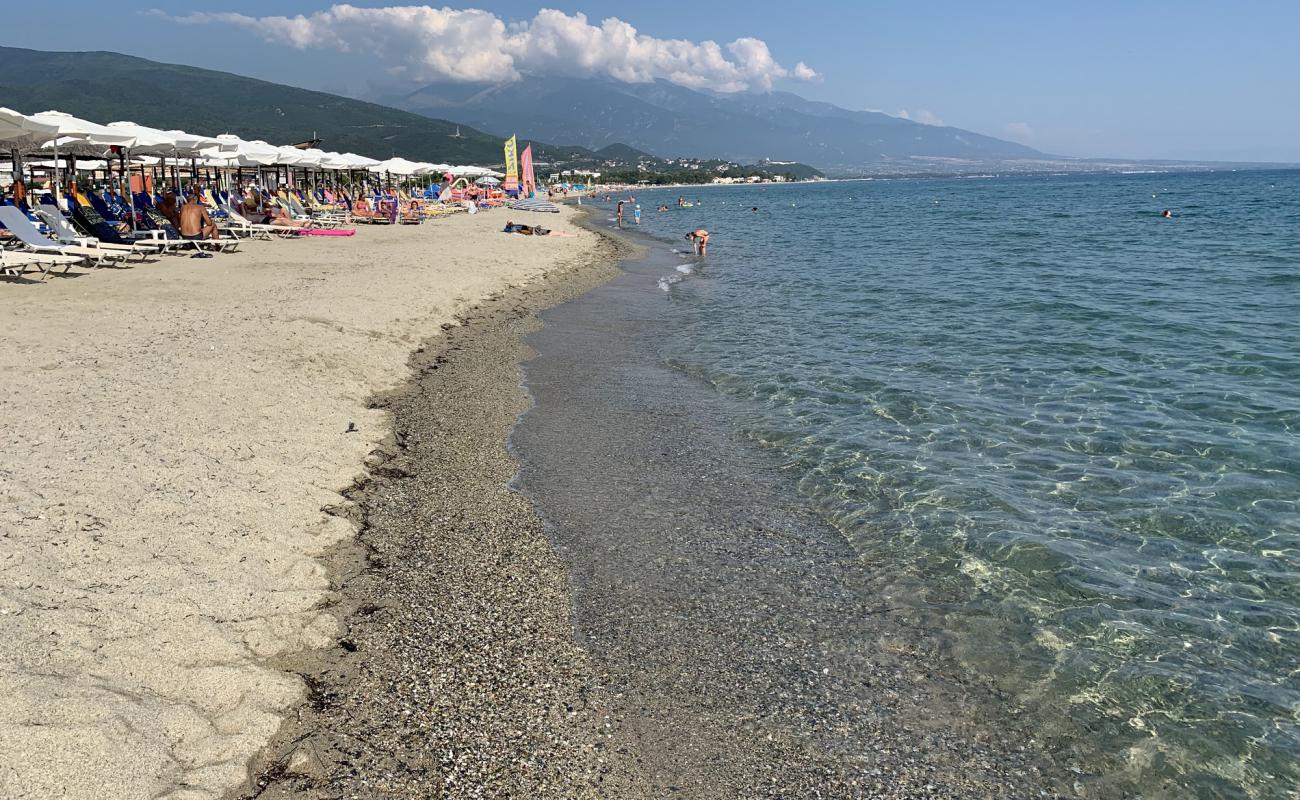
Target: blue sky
{"points": [[1176, 80]]}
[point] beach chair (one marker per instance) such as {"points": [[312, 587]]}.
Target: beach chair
{"points": [[362, 212], [237, 224], [96, 202], [66, 234], [210, 200], [326, 213], [22, 228], [85, 214], [172, 238], [15, 264]]}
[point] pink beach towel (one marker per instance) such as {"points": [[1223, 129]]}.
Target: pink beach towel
{"points": [[328, 231]]}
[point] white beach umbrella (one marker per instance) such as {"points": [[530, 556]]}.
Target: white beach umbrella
{"points": [[239, 153], [312, 157], [143, 139], [19, 132], [335, 161], [189, 144], [396, 166], [182, 144], [16, 127], [291, 156], [140, 139], [67, 125], [359, 162], [77, 136]]}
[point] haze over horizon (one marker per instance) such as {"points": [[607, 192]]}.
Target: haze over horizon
{"points": [[1198, 81]]}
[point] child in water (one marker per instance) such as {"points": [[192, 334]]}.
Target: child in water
{"points": [[636, 214]]}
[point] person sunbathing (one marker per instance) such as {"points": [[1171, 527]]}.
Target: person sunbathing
{"points": [[167, 207], [526, 230], [195, 222], [279, 215]]}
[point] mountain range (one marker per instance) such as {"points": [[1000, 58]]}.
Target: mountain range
{"points": [[673, 121], [104, 87], [660, 118]]}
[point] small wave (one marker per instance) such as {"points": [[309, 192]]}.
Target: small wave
{"points": [[666, 282]]}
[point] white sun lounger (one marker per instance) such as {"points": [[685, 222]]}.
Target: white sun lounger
{"points": [[20, 226], [236, 222], [67, 234], [16, 264]]}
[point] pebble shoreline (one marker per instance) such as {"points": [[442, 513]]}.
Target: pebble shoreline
{"points": [[459, 673]]}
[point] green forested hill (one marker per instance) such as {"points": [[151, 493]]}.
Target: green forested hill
{"points": [[104, 87]]}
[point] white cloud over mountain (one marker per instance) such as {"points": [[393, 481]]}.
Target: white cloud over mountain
{"points": [[425, 44], [920, 115], [1019, 132]]}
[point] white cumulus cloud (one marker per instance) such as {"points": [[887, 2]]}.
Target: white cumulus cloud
{"points": [[920, 115], [1019, 132], [425, 43]]}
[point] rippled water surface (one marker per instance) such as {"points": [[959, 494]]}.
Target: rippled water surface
{"points": [[1058, 427]]}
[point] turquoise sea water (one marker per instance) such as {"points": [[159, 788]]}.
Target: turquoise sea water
{"points": [[1058, 428]]}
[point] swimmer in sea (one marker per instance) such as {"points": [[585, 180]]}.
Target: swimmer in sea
{"points": [[1167, 214], [700, 238], [663, 209], [754, 210]]}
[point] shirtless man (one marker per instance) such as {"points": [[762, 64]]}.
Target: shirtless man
{"points": [[195, 222], [700, 238]]}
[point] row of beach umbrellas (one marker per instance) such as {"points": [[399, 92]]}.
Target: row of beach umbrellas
{"points": [[55, 133]]}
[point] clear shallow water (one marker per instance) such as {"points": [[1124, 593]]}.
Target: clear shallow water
{"points": [[1062, 430]]}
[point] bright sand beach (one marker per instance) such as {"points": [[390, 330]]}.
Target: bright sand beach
{"points": [[171, 434]]}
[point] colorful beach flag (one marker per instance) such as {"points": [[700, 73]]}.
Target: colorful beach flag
{"points": [[526, 171], [512, 166]]}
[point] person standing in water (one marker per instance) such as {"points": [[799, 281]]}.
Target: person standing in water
{"points": [[700, 238], [620, 213], [636, 214]]}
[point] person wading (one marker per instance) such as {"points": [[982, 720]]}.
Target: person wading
{"points": [[700, 238]]}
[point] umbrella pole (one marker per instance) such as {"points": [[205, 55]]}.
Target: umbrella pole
{"points": [[130, 195], [58, 191]]}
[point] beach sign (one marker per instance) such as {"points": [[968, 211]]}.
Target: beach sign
{"points": [[526, 171], [512, 166]]}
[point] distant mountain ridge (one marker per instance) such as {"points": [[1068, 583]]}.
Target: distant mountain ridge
{"points": [[104, 86], [670, 120]]}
